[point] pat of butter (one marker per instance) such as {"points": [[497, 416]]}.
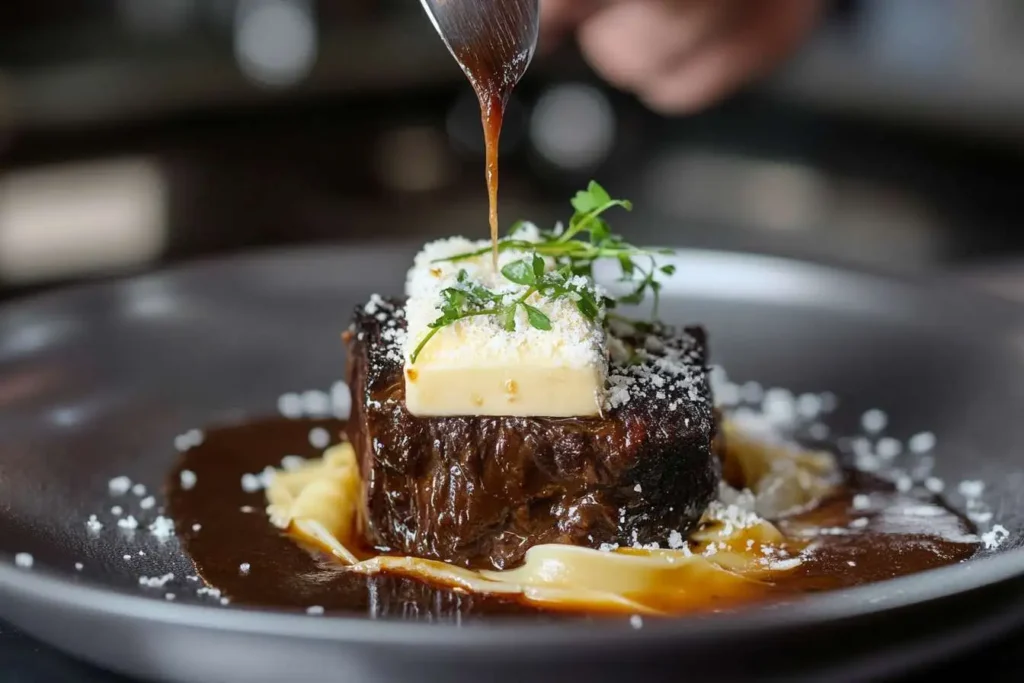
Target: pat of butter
{"points": [[475, 367]]}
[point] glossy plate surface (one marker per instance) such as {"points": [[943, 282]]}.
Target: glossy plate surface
{"points": [[96, 382]]}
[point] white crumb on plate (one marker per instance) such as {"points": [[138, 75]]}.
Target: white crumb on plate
{"points": [[118, 486], [188, 479], [24, 560]]}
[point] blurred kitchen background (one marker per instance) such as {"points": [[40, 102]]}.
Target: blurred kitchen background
{"points": [[135, 133]]}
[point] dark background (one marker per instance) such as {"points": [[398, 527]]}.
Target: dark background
{"points": [[138, 133]]}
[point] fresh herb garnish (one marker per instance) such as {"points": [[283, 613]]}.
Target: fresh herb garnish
{"points": [[573, 251]]}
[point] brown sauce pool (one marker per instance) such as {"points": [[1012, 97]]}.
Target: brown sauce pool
{"points": [[221, 526]]}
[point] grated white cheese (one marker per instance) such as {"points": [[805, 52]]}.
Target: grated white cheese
{"points": [[995, 537]]}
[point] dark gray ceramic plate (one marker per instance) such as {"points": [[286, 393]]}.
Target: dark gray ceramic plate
{"points": [[97, 381]]}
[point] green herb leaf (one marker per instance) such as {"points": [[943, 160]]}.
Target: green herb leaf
{"points": [[669, 269], [519, 272], [537, 317], [538, 266], [509, 322]]}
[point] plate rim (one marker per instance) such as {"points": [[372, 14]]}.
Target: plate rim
{"points": [[48, 585]]}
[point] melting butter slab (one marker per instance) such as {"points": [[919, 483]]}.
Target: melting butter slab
{"points": [[477, 367]]}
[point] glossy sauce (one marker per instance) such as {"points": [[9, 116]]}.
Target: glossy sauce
{"points": [[493, 68], [901, 534]]}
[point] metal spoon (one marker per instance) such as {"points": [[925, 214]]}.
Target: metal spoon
{"points": [[493, 41]]}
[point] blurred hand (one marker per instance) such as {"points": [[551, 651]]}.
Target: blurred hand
{"points": [[681, 55]]}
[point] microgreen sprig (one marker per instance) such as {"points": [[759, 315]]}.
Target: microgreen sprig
{"points": [[573, 251]]}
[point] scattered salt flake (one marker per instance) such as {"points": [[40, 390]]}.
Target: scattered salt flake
{"points": [[147, 503], [291, 463], [162, 528], [129, 523], [197, 527], [139, 490], [117, 510], [156, 581], [861, 502], [316, 403], [315, 610], [319, 437], [188, 479], [921, 443], [118, 486], [971, 488], [127, 558], [290, 405], [994, 537], [751, 392], [251, 483], [94, 524], [247, 509], [888, 448], [851, 563], [244, 568], [79, 566], [637, 488], [142, 553], [24, 560], [818, 431], [808, 406], [934, 484], [829, 402], [873, 421], [636, 621]]}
